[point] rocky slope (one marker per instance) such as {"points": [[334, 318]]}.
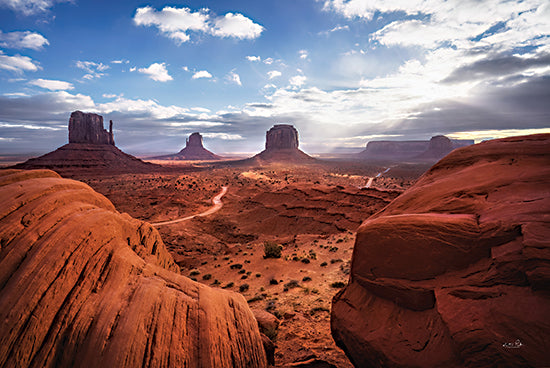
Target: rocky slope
{"points": [[281, 145], [455, 271], [83, 285]]}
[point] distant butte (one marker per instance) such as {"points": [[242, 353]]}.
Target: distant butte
{"points": [[434, 149], [193, 151], [90, 147], [281, 145]]}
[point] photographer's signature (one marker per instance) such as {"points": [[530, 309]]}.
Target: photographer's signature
{"points": [[513, 345]]}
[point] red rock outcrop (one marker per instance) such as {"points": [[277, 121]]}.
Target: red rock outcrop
{"points": [[88, 128], [90, 148], [455, 272], [281, 145], [83, 285], [193, 150]]}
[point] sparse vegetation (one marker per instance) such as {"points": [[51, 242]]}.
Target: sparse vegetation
{"points": [[229, 285], [324, 264], [194, 273], [338, 284], [243, 288], [236, 266], [207, 276], [272, 250], [273, 282]]}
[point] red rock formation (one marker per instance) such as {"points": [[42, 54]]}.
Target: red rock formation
{"points": [[88, 128], [193, 150], [454, 272], [90, 147], [281, 145], [83, 285]]}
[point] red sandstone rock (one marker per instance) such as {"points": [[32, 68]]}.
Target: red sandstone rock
{"points": [[454, 272], [88, 128], [281, 145], [193, 150], [83, 285]]}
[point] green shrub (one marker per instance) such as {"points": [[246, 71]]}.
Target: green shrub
{"points": [[272, 250]]}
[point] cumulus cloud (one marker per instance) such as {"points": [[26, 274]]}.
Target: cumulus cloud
{"points": [[236, 25], [176, 23], [274, 74], [201, 74], [157, 72], [23, 40], [30, 7], [253, 58], [303, 54], [233, 77], [51, 84], [17, 63], [297, 80]]}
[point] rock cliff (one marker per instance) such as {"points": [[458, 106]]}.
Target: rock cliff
{"points": [[193, 150], [454, 272], [88, 128], [83, 285], [281, 145]]}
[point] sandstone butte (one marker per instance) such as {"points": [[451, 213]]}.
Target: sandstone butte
{"points": [[281, 145], [82, 285], [456, 271], [193, 150]]}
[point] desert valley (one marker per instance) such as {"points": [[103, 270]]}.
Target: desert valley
{"points": [[341, 262]]}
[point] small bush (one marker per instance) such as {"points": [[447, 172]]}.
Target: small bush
{"points": [[324, 264], [207, 276], [242, 271], [272, 250], [306, 278], [230, 285], [243, 288], [338, 284], [332, 261], [258, 275], [305, 260], [236, 266], [292, 284], [194, 272], [273, 282]]}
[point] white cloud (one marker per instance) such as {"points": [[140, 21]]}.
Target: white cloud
{"points": [[93, 69], [268, 61], [236, 25], [335, 29], [201, 74], [52, 85], [253, 58], [233, 77], [122, 61], [175, 23], [185, 68], [223, 136], [17, 63], [30, 7], [297, 80], [274, 74], [133, 69], [23, 40], [303, 54], [110, 95], [157, 72]]}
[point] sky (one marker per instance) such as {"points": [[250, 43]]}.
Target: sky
{"points": [[343, 72]]}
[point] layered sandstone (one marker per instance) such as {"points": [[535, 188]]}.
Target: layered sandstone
{"points": [[193, 151], [454, 272], [83, 285], [88, 128]]}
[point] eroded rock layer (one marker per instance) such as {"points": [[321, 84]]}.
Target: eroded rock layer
{"points": [[83, 285], [193, 150], [281, 145], [456, 271]]}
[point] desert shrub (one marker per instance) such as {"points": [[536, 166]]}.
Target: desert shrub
{"points": [[324, 264], [273, 282], [339, 240], [338, 284], [243, 277], [305, 260], [332, 261], [296, 258], [207, 276], [272, 250], [258, 275], [229, 285], [306, 278], [256, 298], [292, 284], [242, 271], [333, 249], [194, 272], [243, 288], [312, 254], [318, 309], [236, 266]]}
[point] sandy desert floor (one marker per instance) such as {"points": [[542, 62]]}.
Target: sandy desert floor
{"points": [[311, 211]]}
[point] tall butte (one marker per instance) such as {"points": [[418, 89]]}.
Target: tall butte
{"points": [[193, 150], [90, 147], [281, 145]]}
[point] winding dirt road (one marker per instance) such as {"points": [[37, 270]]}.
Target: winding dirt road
{"points": [[369, 182], [216, 205]]}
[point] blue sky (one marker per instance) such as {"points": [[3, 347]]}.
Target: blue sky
{"points": [[342, 71]]}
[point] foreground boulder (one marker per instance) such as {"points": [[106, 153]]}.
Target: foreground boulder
{"points": [[83, 285], [456, 271]]}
